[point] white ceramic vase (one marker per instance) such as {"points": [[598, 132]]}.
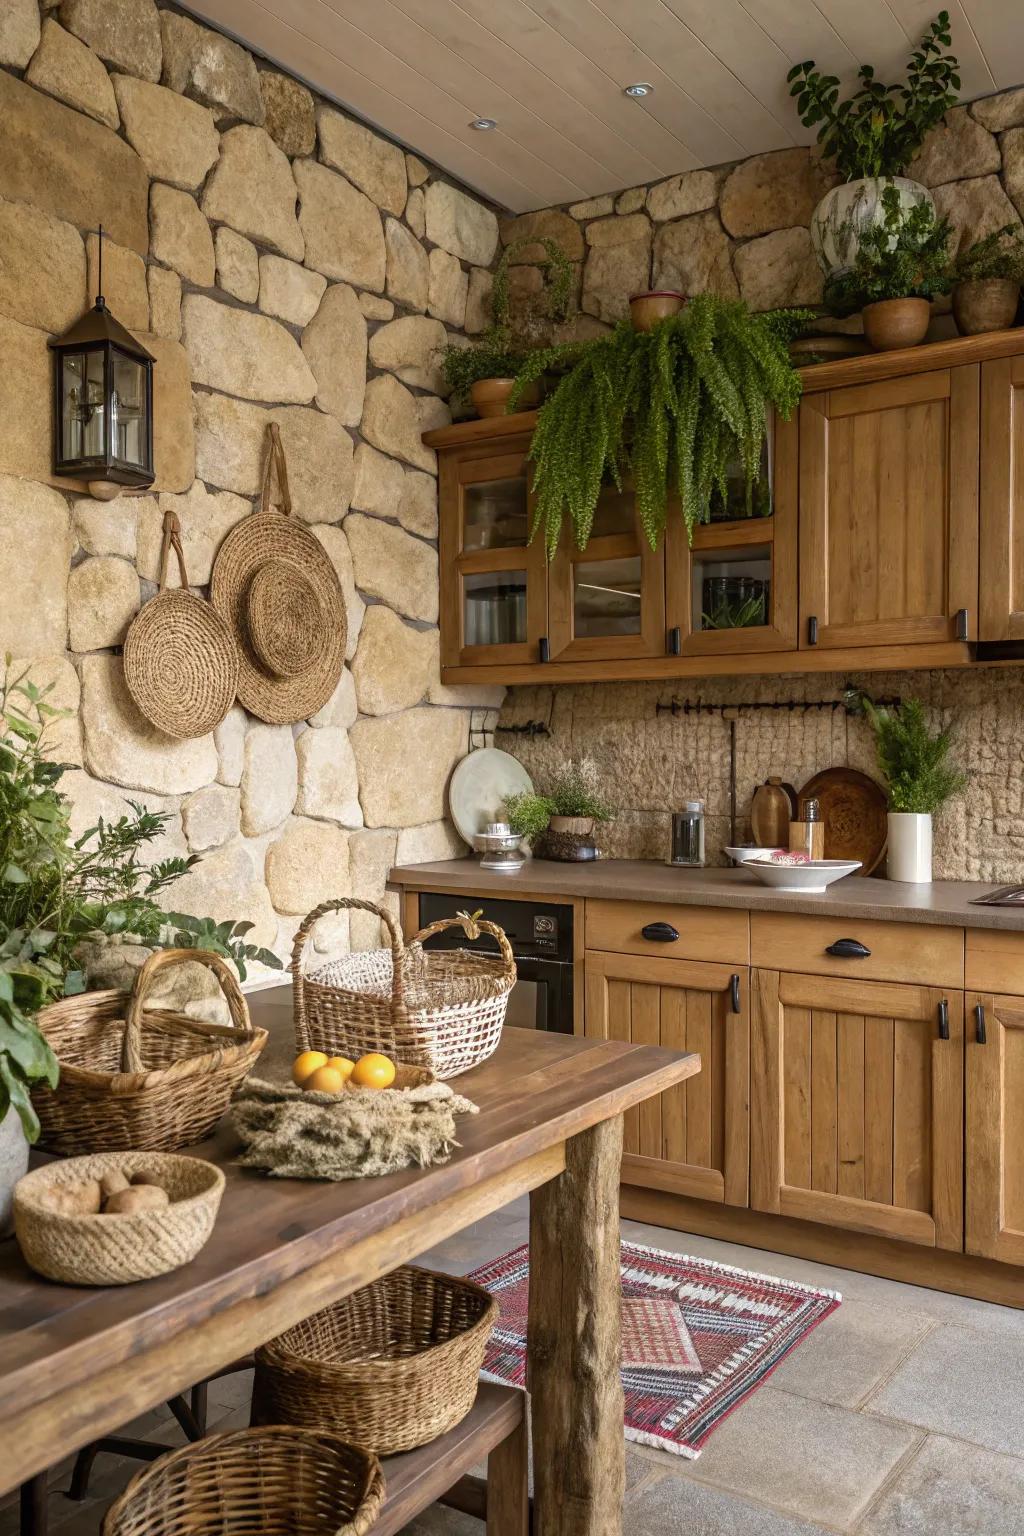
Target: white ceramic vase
{"points": [[845, 211], [13, 1165], [910, 847]]}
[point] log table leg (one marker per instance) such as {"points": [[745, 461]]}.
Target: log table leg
{"points": [[573, 1341]]}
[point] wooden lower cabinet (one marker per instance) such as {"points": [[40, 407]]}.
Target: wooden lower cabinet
{"points": [[694, 1139], [995, 1127], [857, 1117]]}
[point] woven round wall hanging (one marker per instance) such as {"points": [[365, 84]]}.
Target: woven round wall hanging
{"points": [[180, 659], [279, 594]]}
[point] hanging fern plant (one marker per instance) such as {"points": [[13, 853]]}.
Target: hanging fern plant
{"points": [[672, 407]]}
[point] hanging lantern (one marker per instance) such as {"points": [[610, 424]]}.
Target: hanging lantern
{"points": [[103, 402]]}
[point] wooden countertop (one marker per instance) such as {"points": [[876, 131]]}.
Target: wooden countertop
{"points": [[945, 902]]}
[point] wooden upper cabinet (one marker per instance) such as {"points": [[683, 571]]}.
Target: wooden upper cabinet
{"points": [[995, 1127], [857, 1105], [1002, 500], [889, 511], [607, 601]]}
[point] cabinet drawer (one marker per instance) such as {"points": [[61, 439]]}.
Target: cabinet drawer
{"points": [[897, 951], [701, 933], [994, 961]]}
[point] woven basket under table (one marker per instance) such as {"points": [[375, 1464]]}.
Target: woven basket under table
{"points": [[274, 1481], [394, 1365], [441, 1009], [142, 1081]]}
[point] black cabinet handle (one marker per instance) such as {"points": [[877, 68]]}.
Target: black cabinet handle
{"points": [[544, 648], [734, 995], [660, 933], [848, 949], [944, 1019], [980, 1032], [675, 641], [961, 623], [812, 630]]}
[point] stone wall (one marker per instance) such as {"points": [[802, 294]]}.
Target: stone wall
{"points": [[283, 263]]}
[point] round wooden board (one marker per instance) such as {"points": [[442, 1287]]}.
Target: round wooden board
{"points": [[853, 808]]}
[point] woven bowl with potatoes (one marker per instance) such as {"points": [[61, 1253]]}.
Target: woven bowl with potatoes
{"points": [[84, 1222]]}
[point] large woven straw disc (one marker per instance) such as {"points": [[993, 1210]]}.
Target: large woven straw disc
{"points": [[180, 660], [286, 623]]}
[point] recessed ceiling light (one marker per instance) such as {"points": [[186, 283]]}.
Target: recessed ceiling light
{"points": [[641, 88], [484, 124]]}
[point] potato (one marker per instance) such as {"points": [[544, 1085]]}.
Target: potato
{"points": [[141, 1197], [113, 1181], [146, 1178], [74, 1199]]}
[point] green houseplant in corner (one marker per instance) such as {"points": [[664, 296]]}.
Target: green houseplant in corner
{"points": [[873, 136], [919, 779], [987, 280], [900, 266]]}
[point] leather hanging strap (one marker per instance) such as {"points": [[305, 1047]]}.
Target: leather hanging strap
{"points": [[275, 459], [172, 540]]}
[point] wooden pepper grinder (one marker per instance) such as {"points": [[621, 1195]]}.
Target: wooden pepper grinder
{"points": [[807, 835]]}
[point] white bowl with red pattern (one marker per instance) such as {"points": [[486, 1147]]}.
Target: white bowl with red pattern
{"points": [[796, 872]]}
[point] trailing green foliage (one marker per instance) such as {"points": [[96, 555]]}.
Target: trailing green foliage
{"points": [[1000, 254], [555, 300], [879, 129], [493, 357], [913, 759], [27, 982], [671, 408], [904, 257]]}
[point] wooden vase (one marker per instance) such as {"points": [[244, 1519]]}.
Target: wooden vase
{"points": [[985, 304], [894, 323], [490, 396], [646, 309]]}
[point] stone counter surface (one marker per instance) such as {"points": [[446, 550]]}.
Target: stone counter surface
{"points": [[944, 903]]}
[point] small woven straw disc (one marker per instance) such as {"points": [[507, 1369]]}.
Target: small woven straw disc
{"points": [[180, 660], [276, 538], [286, 625]]}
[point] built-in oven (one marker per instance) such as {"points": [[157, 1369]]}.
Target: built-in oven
{"points": [[541, 937]]}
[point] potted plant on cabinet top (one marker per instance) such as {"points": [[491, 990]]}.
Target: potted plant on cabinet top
{"points": [[900, 265], [919, 779], [872, 136], [987, 281], [568, 809], [483, 372]]}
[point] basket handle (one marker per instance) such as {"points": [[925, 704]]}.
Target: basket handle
{"points": [[473, 925], [348, 904], [165, 959], [172, 540], [275, 459]]}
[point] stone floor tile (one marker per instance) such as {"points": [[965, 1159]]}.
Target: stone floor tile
{"points": [[671, 1505], [806, 1458], [961, 1382], [852, 1352], [953, 1488]]}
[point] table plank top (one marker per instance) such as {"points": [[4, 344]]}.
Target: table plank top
{"points": [[534, 1093]]}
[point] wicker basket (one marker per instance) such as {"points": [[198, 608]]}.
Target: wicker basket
{"points": [[274, 1481], [395, 1364], [441, 1009], [114, 1250], [133, 1081]]}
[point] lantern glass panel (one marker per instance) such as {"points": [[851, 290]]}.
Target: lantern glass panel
{"points": [[82, 425], [128, 409]]}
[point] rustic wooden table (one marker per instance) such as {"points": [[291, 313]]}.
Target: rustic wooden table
{"points": [[76, 1364]]}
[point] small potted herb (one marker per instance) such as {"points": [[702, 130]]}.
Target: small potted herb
{"points": [[527, 814], [873, 136], [570, 806], [919, 779], [900, 265], [987, 281]]}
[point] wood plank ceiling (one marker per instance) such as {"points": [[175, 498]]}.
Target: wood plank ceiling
{"points": [[552, 72]]}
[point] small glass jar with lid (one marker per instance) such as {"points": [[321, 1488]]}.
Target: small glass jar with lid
{"points": [[687, 848]]}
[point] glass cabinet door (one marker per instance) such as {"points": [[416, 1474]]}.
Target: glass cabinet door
{"points": [[608, 600], [493, 581]]}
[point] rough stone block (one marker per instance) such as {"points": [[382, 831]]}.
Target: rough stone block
{"points": [[253, 190], [405, 761], [394, 421], [35, 551], [238, 265], [290, 113], [376, 166], [125, 33], [408, 267], [124, 282], [180, 236], [244, 354], [19, 32], [123, 748], [210, 68], [460, 224], [341, 226], [64, 67], [328, 785], [411, 347], [448, 288], [340, 556], [290, 292], [693, 255], [307, 865], [103, 598], [205, 518], [164, 302], [394, 662], [210, 817], [42, 268], [231, 443], [392, 565], [334, 345], [269, 777]]}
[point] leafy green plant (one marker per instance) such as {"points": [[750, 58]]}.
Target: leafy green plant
{"points": [[879, 129], [913, 759], [673, 407], [27, 981], [226, 939], [573, 791], [904, 257], [527, 814], [1000, 254], [493, 357], [735, 613]]}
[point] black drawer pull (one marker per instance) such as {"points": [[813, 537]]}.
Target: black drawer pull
{"points": [[544, 648], [961, 624], [812, 630], [980, 1032], [660, 933], [675, 641], [944, 1019], [848, 949], [735, 1005]]}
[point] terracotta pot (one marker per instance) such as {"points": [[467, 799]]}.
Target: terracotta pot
{"points": [[893, 323], [573, 826], [490, 396], [646, 309], [985, 304]]}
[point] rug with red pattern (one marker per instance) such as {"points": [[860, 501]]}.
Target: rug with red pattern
{"points": [[697, 1337]]}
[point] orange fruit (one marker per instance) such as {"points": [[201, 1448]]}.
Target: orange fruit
{"points": [[374, 1071], [303, 1065], [324, 1080], [343, 1065]]}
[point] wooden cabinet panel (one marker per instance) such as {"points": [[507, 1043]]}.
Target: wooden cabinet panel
{"points": [[1002, 500], [607, 602], [889, 511], [897, 951], [702, 933], [692, 1140], [857, 1106], [995, 1127], [994, 960]]}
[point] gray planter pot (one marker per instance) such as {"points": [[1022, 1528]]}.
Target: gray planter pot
{"points": [[13, 1165]]}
